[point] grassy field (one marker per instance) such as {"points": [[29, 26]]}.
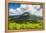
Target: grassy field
{"points": [[18, 25]]}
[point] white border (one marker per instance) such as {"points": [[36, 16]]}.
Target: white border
{"points": [[2, 16]]}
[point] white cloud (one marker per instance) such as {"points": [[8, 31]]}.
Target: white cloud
{"points": [[12, 12], [19, 11], [36, 6], [34, 10], [29, 8], [15, 11], [23, 6]]}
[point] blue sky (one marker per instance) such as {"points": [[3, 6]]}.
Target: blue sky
{"points": [[14, 6], [18, 9]]}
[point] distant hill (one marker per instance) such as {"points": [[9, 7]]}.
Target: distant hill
{"points": [[26, 16]]}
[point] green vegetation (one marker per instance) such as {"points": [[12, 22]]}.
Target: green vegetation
{"points": [[17, 25]]}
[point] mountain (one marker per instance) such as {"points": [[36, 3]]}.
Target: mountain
{"points": [[26, 16]]}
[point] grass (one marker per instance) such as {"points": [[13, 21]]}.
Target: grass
{"points": [[13, 25]]}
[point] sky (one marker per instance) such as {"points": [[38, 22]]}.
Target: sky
{"points": [[18, 9]]}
